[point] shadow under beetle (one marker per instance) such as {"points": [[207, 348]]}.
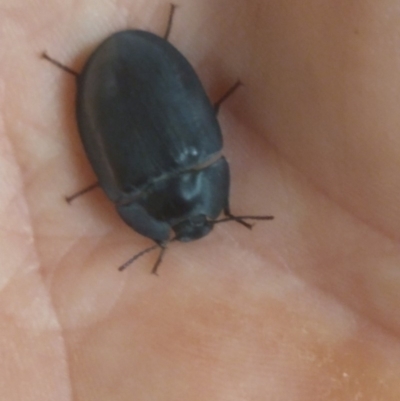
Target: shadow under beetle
{"points": [[152, 137]]}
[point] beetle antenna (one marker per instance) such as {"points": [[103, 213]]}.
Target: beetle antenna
{"points": [[137, 256], [147, 250], [159, 260]]}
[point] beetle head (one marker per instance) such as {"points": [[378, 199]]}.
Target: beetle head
{"points": [[194, 227]]}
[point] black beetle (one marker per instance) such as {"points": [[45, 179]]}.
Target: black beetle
{"points": [[152, 137]]}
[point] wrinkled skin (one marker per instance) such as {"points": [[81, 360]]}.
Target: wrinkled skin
{"points": [[301, 308]]}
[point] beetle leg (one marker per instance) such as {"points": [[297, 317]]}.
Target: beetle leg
{"points": [[170, 18], [59, 65], [227, 94], [147, 250], [69, 199]]}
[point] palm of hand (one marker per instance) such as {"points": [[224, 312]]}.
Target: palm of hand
{"points": [[239, 315]]}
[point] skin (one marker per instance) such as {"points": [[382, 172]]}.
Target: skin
{"points": [[301, 308]]}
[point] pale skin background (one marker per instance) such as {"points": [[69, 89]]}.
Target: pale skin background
{"points": [[305, 307]]}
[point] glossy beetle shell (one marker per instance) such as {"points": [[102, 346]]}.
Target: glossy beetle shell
{"points": [[152, 137]]}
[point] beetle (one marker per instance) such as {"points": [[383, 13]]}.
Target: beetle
{"points": [[152, 137]]}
